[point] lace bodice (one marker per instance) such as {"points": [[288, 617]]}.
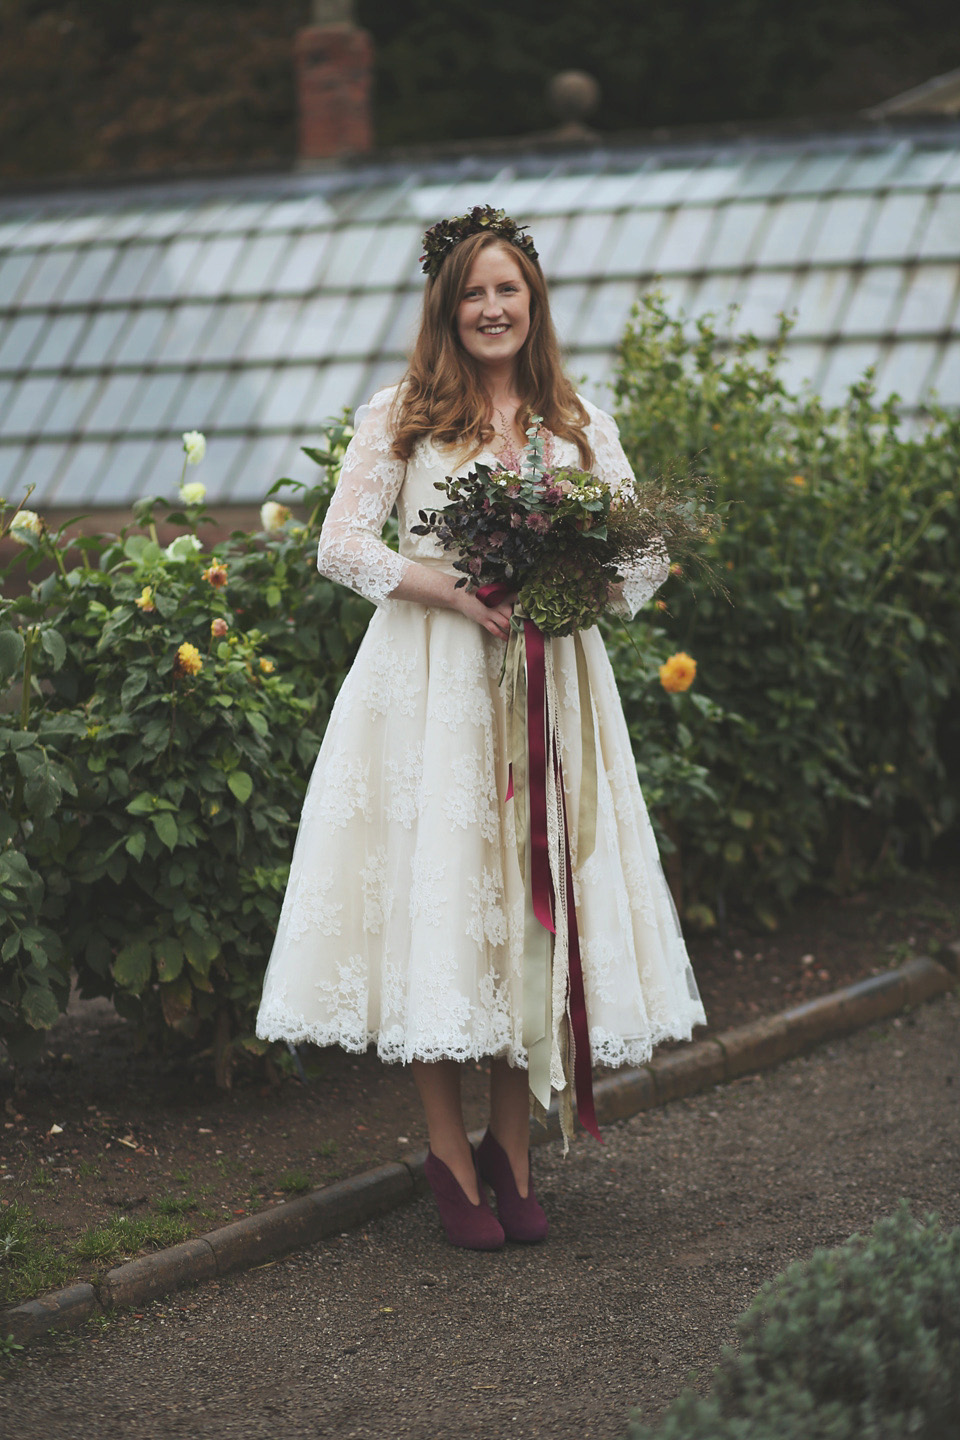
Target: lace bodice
{"points": [[372, 481]]}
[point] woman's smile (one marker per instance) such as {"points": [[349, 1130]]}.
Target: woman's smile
{"points": [[493, 317]]}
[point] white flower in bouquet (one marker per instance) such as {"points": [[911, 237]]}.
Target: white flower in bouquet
{"points": [[273, 516], [195, 446], [26, 520], [193, 493], [182, 548]]}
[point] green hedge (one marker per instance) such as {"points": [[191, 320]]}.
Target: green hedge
{"points": [[836, 661], [857, 1343]]}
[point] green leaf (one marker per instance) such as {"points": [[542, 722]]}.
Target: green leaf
{"points": [[240, 785], [273, 596], [55, 646], [10, 946], [168, 954], [134, 685], [39, 1007], [166, 828], [136, 844], [11, 651], [258, 722], [733, 852], [131, 968]]}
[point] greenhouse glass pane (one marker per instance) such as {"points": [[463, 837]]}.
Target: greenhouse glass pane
{"points": [[818, 172], [120, 481], [945, 379], [198, 404], [767, 175], [215, 262], [381, 375], [27, 406], [364, 321], [212, 219], [11, 460], [587, 238], [7, 388], [926, 167], [763, 295], [565, 304], [801, 365], [819, 301], [606, 313], [876, 293], [113, 404], [245, 215], [223, 339], [344, 260], [42, 232], [184, 334], [318, 324], [907, 371], [268, 338], [242, 397], [153, 405], [17, 338], [58, 342], [549, 237], [592, 374], [608, 192], [80, 474], [896, 227], [682, 247], [101, 338], [394, 257], [303, 213], [713, 295], [170, 278], [132, 275], [225, 455], [846, 366], [48, 278], [260, 259], [87, 279], [41, 467], [838, 228], [950, 174], [14, 268], [337, 386], [661, 187], [122, 225], [404, 317], [260, 466], [931, 299], [785, 240], [289, 400], [74, 395], [302, 264], [875, 169], [141, 341], [635, 242], [162, 224], [712, 182], [940, 235], [733, 241]]}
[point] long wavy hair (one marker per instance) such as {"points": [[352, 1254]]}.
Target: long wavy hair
{"points": [[442, 393]]}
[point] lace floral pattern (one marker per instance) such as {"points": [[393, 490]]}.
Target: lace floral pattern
{"points": [[403, 922]]}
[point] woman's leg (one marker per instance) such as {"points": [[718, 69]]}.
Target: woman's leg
{"points": [[510, 1117], [439, 1087]]}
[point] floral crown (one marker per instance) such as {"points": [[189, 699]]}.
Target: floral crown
{"points": [[442, 237]]}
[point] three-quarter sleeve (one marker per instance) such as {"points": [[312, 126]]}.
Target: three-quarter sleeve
{"points": [[645, 575], [350, 549]]}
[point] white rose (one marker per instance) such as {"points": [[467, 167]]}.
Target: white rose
{"points": [[273, 516], [26, 520], [193, 493], [195, 445], [183, 547]]}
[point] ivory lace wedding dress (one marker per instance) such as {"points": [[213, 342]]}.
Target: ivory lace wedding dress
{"points": [[403, 921]]}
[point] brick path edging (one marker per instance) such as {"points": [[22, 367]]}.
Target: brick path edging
{"points": [[334, 1209]]}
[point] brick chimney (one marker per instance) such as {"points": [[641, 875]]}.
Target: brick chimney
{"points": [[333, 62]]}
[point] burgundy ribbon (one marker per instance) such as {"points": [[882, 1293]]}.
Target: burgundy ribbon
{"points": [[541, 881]]}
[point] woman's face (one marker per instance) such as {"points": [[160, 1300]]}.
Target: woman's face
{"points": [[493, 317]]}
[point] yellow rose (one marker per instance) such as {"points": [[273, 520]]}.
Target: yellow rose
{"points": [[267, 667], [678, 672], [188, 660], [145, 600]]}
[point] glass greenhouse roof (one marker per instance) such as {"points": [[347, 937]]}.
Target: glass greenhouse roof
{"points": [[252, 309]]}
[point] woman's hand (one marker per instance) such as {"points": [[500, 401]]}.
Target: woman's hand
{"points": [[495, 619]]}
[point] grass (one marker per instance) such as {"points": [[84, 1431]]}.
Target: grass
{"points": [[30, 1264], [294, 1182], [176, 1204]]}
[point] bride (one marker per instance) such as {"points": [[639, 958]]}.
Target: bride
{"points": [[403, 923]]}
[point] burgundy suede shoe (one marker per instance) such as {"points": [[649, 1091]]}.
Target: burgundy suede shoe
{"points": [[473, 1227], [521, 1216]]}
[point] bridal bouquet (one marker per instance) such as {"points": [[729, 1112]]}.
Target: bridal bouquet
{"points": [[560, 537]]}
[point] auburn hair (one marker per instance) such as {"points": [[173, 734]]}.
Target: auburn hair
{"points": [[442, 393]]}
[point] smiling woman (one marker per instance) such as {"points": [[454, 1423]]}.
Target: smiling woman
{"points": [[407, 918]]}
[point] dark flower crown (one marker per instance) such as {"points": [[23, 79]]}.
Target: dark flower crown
{"points": [[442, 237]]}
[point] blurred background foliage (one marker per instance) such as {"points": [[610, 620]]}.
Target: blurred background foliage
{"points": [[94, 86]]}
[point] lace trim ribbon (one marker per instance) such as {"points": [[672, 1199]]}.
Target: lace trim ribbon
{"points": [[550, 1029]]}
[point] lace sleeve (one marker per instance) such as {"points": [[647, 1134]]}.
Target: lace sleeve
{"points": [[645, 576], [350, 548]]}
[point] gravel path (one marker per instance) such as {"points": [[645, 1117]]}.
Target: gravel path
{"points": [[660, 1238]]}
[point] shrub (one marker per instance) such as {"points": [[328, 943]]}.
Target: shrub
{"points": [[857, 1343], [836, 666]]}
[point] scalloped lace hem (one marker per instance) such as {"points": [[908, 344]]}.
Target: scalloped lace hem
{"points": [[610, 1051]]}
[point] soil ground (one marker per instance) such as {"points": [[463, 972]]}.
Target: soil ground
{"points": [[659, 1238], [149, 1138]]}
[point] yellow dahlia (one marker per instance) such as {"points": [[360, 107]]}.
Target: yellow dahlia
{"points": [[216, 576], [188, 660]]}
